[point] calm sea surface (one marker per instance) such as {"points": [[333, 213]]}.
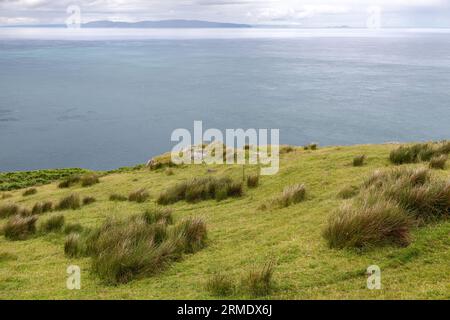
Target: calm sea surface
{"points": [[102, 99]]}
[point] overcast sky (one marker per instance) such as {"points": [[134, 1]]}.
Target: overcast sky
{"points": [[316, 13]]}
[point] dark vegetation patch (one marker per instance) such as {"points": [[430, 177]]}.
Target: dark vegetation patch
{"points": [[390, 203], [419, 152], [24, 179]]}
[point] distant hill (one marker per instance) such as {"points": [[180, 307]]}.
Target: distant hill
{"points": [[163, 24]]}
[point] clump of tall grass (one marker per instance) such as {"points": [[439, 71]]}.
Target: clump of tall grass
{"points": [[88, 200], [158, 216], [70, 202], [259, 282], [138, 196], [311, 146], [72, 246], [20, 228], [89, 179], [220, 285], [285, 149], [52, 224], [369, 225], [5, 195], [415, 190], [348, 192], [253, 180], [9, 209], [69, 181], [390, 203], [29, 192], [290, 195], [139, 246], [42, 207], [358, 161], [169, 172], [438, 162], [198, 189], [73, 228], [419, 152], [117, 197], [193, 234]]}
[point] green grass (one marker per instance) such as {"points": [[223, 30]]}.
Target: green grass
{"points": [[240, 237]]}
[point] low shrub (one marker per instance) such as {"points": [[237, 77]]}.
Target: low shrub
{"points": [[117, 197], [370, 225], [89, 179], [138, 196], [70, 202], [220, 285], [52, 224], [19, 228], [88, 200], [29, 192], [291, 195], [358, 161], [259, 282], [438, 162]]}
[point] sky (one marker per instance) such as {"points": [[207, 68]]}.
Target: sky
{"points": [[303, 13]]}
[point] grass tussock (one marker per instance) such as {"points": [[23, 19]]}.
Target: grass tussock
{"points": [[52, 224], [8, 210], [390, 203], [73, 228], [140, 246], [88, 200], [220, 285], [290, 195], [117, 197], [72, 245], [69, 181], [438, 162], [259, 282], [419, 152], [5, 195], [169, 172], [199, 189], [19, 227], [358, 161], [42, 207], [253, 180], [138, 196], [311, 146], [72, 202], [29, 192], [89, 179], [370, 225], [348, 192]]}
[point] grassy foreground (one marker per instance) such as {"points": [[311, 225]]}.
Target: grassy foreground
{"points": [[240, 237]]}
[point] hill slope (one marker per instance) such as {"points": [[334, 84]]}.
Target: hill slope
{"points": [[239, 237]]}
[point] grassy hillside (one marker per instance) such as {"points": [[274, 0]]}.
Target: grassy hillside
{"points": [[240, 237]]}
